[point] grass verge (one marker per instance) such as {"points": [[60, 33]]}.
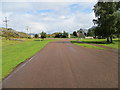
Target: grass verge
{"points": [[87, 45], [17, 52], [115, 44]]}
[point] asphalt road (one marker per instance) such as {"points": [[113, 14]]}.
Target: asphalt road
{"points": [[64, 65]]}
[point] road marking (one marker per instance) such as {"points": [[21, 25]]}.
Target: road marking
{"points": [[20, 67]]}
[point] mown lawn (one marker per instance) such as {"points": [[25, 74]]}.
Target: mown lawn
{"points": [[86, 45], [115, 44], [0, 58], [15, 52]]}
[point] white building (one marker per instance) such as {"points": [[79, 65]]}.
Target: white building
{"points": [[32, 36], [39, 36], [68, 35]]}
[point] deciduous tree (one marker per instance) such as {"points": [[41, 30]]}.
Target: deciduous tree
{"points": [[106, 14]]}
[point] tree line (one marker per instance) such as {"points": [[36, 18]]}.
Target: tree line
{"points": [[54, 35]]}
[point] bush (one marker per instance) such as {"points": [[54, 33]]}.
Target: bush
{"points": [[36, 35]]}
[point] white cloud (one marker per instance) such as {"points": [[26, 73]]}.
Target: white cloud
{"points": [[50, 0], [57, 17]]}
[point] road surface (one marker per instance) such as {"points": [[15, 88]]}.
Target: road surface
{"points": [[64, 65]]}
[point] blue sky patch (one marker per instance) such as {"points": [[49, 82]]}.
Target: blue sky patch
{"points": [[40, 11], [79, 8], [87, 10], [45, 11], [74, 7]]}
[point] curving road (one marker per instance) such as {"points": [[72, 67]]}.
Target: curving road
{"points": [[64, 65]]}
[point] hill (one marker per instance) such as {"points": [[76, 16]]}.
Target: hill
{"points": [[11, 33]]}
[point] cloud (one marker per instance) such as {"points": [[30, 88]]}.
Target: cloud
{"points": [[49, 17], [51, 0]]}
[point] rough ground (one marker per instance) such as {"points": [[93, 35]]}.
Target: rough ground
{"points": [[64, 65]]}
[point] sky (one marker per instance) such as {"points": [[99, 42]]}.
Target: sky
{"points": [[49, 17]]}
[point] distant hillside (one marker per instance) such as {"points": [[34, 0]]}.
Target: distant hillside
{"points": [[10, 33]]}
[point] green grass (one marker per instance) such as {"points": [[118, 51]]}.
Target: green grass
{"points": [[87, 45], [0, 59], [10, 42], [16, 52], [103, 42]]}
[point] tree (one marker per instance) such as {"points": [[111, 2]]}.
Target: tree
{"points": [[43, 35], [64, 35], [36, 35], [106, 14], [85, 34], [75, 33], [90, 32], [57, 35], [81, 33], [118, 24]]}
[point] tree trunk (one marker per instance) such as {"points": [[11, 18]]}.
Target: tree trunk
{"points": [[108, 39], [111, 39]]}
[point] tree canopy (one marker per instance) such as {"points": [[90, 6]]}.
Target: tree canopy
{"points": [[75, 33], [107, 19], [64, 34], [91, 32], [43, 35], [60, 35], [36, 35]]}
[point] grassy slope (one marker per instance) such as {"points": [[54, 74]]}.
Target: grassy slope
{"points": [[0, 59], [10, 42], [103, 42], [87, 45], [13, 53]]}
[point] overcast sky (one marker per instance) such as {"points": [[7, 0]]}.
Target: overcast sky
{"points": [[48, 16]]}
